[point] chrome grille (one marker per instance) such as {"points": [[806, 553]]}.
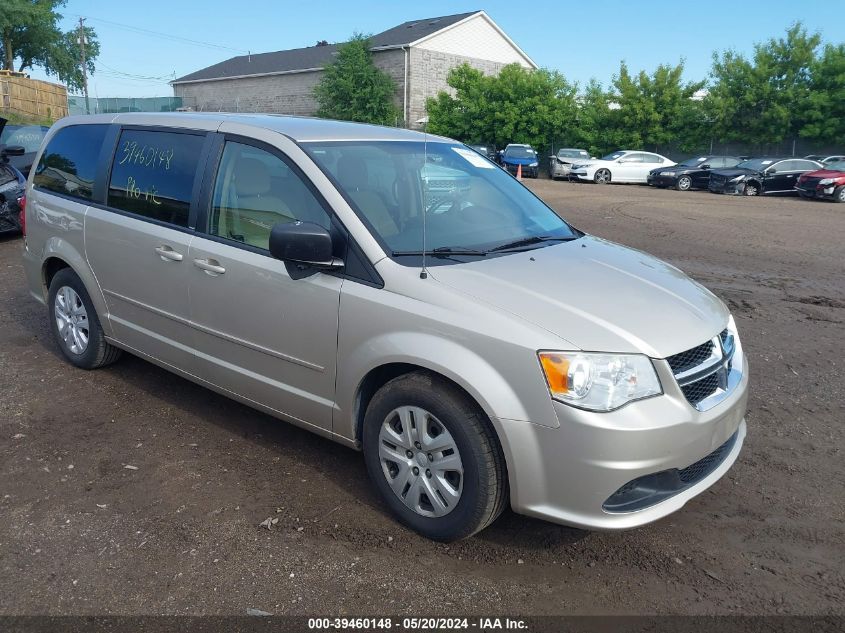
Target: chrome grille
{"points": [[702, 371], [690, 358]]}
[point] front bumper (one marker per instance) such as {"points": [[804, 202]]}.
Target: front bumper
{"points": [[727, 187], [567, 474], [528, 172], [659, 180], [823, 192], [560, 170], [580, 174]]}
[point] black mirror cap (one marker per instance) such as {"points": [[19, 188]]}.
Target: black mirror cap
{"points": [[302, 243], [705, 166]]}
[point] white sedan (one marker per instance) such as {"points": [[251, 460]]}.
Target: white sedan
{"points": [[621, 166]]}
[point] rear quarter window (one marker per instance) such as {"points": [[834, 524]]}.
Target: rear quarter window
{"points": [[69, 162], [153, 174]]}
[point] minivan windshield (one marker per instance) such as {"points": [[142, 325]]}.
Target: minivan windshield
{"points": [[471, 206]]}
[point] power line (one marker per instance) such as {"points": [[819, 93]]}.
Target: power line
{"points": [[167, 36]]}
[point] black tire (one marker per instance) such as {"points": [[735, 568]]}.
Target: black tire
{"points": [[602, 176], [684, 183], [839, 194], [751, 189], [98, 353], [485, 489]]}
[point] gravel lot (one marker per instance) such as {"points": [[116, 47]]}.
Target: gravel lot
{"points": [[131, 491]]}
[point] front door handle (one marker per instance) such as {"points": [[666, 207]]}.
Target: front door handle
{"points": [[210, 266], [168, 254]]}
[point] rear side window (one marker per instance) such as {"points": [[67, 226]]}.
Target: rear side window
{"points": [[69, 163], [153, 174]]}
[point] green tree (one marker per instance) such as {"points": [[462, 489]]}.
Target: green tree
{"points": [[518, 105], [353, 89], [825, 114], [30, 35], [765, 100], [654, 109]]}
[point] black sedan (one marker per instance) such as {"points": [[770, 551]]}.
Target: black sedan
{"points": [[758, 176], [693, 173], [28, 137]]}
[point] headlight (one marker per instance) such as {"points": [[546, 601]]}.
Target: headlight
{"points": [[738, 178], [534, 164], [826, 181], [671, 174], [599, 382]]}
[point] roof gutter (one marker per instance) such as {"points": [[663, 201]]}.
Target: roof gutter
{"points": [[278, 72]]}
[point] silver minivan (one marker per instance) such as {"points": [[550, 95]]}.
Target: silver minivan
{"points": [[395, 292]]}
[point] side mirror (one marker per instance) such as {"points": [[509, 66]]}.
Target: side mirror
{"points": [[12, 150], [771, 170], [705, 166], [303, 243]]}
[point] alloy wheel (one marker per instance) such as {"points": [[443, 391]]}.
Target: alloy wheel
{"points": [[602, 176], [421, 462], [751, 189], [684, 183], [71, 319]]}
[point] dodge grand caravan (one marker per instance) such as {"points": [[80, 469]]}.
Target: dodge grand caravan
{"points": [[476, 347]]}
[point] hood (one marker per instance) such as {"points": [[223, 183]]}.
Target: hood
{"points": [[673, 168], [597, 295], [735, 171], [513, 160], [824, 173]]}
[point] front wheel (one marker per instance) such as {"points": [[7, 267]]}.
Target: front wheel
{"points": [[839, 194], [433, 457], [751, 189], [684, 183], [602, 177]]}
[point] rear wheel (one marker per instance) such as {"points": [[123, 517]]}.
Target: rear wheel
{"points": [[839, 194], [75, 325], [432, 455], [684, 183], [602, 177]]}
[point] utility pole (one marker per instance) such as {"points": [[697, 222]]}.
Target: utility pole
{"points": [[82, 61]]}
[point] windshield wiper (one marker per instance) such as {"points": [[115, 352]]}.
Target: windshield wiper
{"points": [[527, 241], [443, 251]]}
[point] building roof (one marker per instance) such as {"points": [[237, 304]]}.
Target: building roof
{"points": [[315, 57]]}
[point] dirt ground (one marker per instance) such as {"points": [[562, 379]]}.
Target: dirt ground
{"points": [[83, 533]]}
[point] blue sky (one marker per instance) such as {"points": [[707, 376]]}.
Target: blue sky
{"points": [[580, 39]]}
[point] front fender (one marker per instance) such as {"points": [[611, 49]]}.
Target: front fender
{"points": [[481, 380]]}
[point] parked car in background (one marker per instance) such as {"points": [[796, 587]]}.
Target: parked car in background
{"points": [[619, 166], [27, 136], [561, 163], [12, 186], [516, 155], [693, 173], [758, 176], [823, 159], [827, 183], [488, 151]]}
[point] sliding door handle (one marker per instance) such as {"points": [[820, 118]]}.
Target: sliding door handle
{"points": [[210, 266]]}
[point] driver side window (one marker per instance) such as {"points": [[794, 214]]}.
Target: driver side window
{"points": [[254, 190]]}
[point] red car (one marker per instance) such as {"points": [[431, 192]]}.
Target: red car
{"points": [[827, 183]]}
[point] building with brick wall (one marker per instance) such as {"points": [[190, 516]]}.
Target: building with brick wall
{"points": [[418, 55]]}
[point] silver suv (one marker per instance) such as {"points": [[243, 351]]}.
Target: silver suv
{"points": [[478, 349]]}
